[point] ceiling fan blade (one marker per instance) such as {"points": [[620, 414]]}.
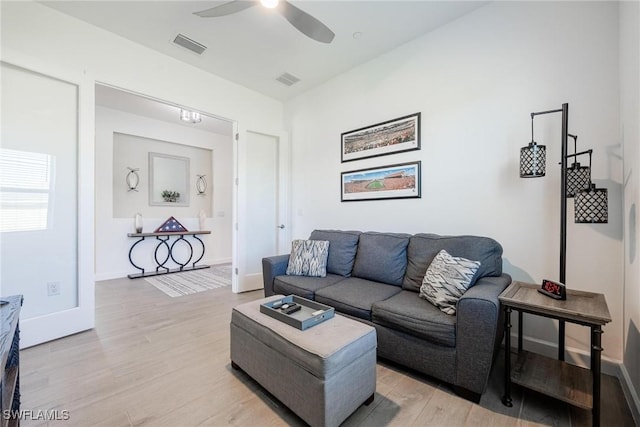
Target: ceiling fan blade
{"points": [[305, 23], [226, 9]]}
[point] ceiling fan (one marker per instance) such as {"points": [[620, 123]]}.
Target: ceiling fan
{"points": [[305, 23]]}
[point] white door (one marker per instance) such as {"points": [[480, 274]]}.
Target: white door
{"points": [[46, 202], [261, 204]]}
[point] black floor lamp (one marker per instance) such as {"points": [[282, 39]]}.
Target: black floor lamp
{"points": [[590, 203]]}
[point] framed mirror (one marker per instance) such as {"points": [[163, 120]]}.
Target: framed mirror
{"points": [[168, 180]]}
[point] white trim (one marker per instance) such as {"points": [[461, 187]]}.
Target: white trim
{"points": [[123, 274], [630, 393], [81, 318]]}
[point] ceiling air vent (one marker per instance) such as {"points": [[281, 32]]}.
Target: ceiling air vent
{"points": [[187, 43], [287, 79]]}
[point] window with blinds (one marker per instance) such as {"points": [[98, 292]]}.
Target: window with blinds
{"points": [[26, 186]]}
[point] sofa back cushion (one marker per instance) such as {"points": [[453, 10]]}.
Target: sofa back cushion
{"points": [[424, 247], [382, 257], [342, 249]]}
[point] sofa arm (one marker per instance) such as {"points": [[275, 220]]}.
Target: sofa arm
{"points": [[271, 267], [479, 331]]}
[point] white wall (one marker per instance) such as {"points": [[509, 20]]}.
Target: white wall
{"points": [[177, 172], [476, 81], [630, 136], [38, 38], [112, 243]]}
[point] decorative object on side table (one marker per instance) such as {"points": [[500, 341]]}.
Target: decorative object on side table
{"points": [[392, 136], [171, 225], [137, 222], [590, 204], [555, 290]]}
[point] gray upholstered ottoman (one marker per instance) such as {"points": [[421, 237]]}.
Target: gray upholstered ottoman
{"points": [[322, 374]]}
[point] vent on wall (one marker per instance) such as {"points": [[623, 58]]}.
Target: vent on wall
{"points": [[187, 43], [287, 79]]}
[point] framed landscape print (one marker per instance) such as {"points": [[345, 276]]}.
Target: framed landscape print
{"points": [[392, 136], [399, 181]]}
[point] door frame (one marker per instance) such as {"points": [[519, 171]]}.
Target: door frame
{"points": [[239, 196], [40, 329]]}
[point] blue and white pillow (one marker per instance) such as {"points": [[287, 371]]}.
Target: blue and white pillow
{"points": [[308, 258], [446, 279]]}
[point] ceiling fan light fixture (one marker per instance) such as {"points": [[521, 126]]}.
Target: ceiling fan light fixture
{"points": [[269, 4]]}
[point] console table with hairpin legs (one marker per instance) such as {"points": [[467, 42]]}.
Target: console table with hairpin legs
{"points": [[563, 381], [164, 241]]}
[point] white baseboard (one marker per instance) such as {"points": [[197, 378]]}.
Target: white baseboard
{"points": [[111, 275], [581, 358], [572, 355], [122, 274], [630, 393]]}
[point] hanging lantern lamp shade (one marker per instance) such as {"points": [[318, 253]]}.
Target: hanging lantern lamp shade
{"points": [[578, 179], [591, 206], [533, 160]]}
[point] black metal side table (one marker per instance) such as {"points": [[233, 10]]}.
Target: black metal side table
{"points": [[163, 239], [569, 383]]}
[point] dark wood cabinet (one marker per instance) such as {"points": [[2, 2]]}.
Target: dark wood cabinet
{"points": [[10, 353]]}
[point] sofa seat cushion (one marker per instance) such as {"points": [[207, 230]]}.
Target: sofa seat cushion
{"points": [[355, 296], [303, 286], [342, 249], [382, 257], [423, 248], [408, 313]]}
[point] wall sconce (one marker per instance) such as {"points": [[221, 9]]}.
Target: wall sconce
{"points": [[190, 116], [590, 203], [132, 179], [201, 185]]}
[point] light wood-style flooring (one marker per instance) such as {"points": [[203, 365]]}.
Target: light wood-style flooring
{"points": [[153, 360]]}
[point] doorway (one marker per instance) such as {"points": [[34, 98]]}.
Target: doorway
{"points": [[140, 123], [249, 185], [262, 208]]}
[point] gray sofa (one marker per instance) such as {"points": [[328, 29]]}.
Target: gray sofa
{"points": [[376, 277]]}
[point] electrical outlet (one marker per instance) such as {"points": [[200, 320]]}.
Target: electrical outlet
{"points": [[53, 288]]}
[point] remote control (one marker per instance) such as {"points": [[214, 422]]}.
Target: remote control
{"points": [[292, 308]]}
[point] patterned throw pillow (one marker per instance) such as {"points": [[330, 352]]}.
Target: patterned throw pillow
{"points": [[447, 278], [308, 258]]}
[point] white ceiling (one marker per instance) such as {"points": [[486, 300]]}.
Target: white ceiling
{"points": [[255, 46]]}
